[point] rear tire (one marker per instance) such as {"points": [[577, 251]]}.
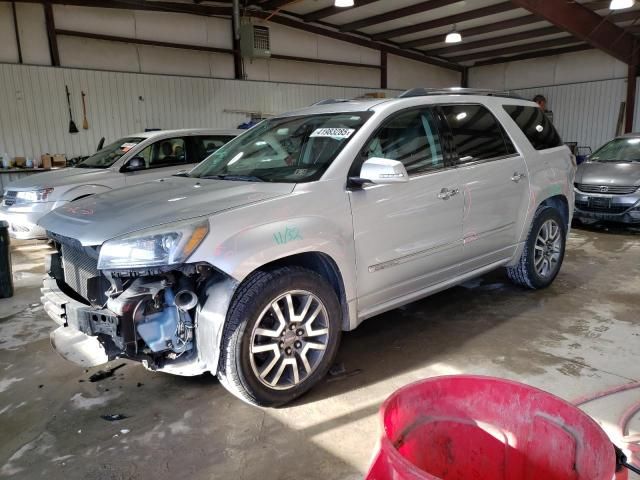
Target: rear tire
{"points": [[281, 336], [543, 252]]}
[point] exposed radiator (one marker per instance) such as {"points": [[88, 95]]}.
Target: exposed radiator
{"points": [[79, 267]]}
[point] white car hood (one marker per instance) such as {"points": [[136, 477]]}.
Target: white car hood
{"points": [[64, 177]]}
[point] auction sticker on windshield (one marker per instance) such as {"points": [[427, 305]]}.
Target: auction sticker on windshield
{"points": [[333, 132]]}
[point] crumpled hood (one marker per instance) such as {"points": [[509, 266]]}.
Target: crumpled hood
{"points": [[96, 219], [64, 177], [609, 173]]}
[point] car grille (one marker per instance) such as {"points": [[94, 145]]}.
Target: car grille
{"points": [[78, 267], [610, 189], [612, 209], [10, 198]]}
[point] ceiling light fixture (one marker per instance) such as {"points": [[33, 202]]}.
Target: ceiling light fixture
{"points": [[621, 4], [343, 3], [453, 36]]}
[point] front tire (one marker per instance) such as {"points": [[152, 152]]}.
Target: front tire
{"points": [[543, 252], [281, 336]]}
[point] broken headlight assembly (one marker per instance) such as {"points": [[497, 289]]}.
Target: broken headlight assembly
{"points": [[159, 246]]}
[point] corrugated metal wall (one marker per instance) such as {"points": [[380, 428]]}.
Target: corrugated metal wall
{"points": [[34, 118], [586, 113]]}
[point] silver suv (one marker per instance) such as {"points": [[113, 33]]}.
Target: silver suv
{"points": [[251, 265]]}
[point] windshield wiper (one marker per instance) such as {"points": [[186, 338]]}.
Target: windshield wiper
{"points": [[181, 174], [234, 178]]}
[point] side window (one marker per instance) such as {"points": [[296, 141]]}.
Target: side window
{"points": [[411, 138], [164, 153], [205, 146], [535, 125], [477, 134]]}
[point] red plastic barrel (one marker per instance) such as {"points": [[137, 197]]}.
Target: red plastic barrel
{"points": [[483, 428]]}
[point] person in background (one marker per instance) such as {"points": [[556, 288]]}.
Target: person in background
{"points": [[542, 103]]}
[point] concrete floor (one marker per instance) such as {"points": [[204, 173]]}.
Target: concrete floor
{"points": [[578, 337]]}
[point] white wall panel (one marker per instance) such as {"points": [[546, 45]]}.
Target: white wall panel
{"points": [[33, 34], [403, 73], [105, 21], [101, 54], [8, 45], [586, 113], [552, 70], [34, 117]]}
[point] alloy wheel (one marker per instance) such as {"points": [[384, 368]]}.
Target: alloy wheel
{"points": [[547, 248], [289, 339]]}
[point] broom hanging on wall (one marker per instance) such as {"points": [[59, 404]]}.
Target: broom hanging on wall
{"points": [[72, 124]]}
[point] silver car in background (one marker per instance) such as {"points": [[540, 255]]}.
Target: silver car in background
{"points": [[608, 184], [133, 159], [252, 264]]}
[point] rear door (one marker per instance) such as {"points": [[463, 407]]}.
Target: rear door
{"points": [[201, 146], [494, 182], [407, 235]]}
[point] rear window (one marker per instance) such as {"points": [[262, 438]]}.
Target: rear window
{"points": [[477, 135], [535, 125]]}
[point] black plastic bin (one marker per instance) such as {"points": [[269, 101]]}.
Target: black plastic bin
{"points": [[6, 279]]}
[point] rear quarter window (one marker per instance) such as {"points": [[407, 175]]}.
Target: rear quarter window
{"points": [[535, 125]]}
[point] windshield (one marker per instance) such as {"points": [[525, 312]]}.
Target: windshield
{"points": [[110, 154], [618, 150], [289, 149]]}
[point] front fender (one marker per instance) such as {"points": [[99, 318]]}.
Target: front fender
{"points": [[249, 249]]}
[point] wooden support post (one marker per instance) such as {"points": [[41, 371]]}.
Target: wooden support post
{"points": [[464, 78], [383, 69], [631, 97], [51, 34], [15, 26]]}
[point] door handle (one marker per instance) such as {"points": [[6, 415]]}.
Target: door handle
{"points": [[446, 194], [517, 177]]}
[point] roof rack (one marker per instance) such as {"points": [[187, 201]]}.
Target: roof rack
{"points": [[422, 92], [330, 101]]}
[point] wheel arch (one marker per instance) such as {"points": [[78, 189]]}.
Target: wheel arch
{"points": [[560, 203], [322, 264]]}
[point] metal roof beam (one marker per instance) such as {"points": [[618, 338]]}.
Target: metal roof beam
{"points": [[558, 42], [585, 24], [328, 11], [396, 14], [489, 42], [444, 21]]}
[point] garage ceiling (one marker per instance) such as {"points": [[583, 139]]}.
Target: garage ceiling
{"points": [[493, 31]]}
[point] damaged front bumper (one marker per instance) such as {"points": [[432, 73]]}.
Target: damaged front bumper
{"points": [[178, 341]]}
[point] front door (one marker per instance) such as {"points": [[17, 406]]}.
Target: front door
{"points": [[407, 235], [162, 158], [494, 182]]}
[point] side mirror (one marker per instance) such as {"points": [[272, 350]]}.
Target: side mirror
{"points": [[134, 164], [381, 171]]}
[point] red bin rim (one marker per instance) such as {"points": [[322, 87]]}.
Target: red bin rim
{"points": [[388, 447]]}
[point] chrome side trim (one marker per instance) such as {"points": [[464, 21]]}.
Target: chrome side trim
{"points": [[412, 256], [475, 236]]}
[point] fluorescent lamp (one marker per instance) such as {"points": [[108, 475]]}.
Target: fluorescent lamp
{"points": [[343, 3], [453, 36], [621, 4]]}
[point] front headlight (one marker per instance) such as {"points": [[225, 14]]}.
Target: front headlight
{"points": [[34, 196], [158, 246]]}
